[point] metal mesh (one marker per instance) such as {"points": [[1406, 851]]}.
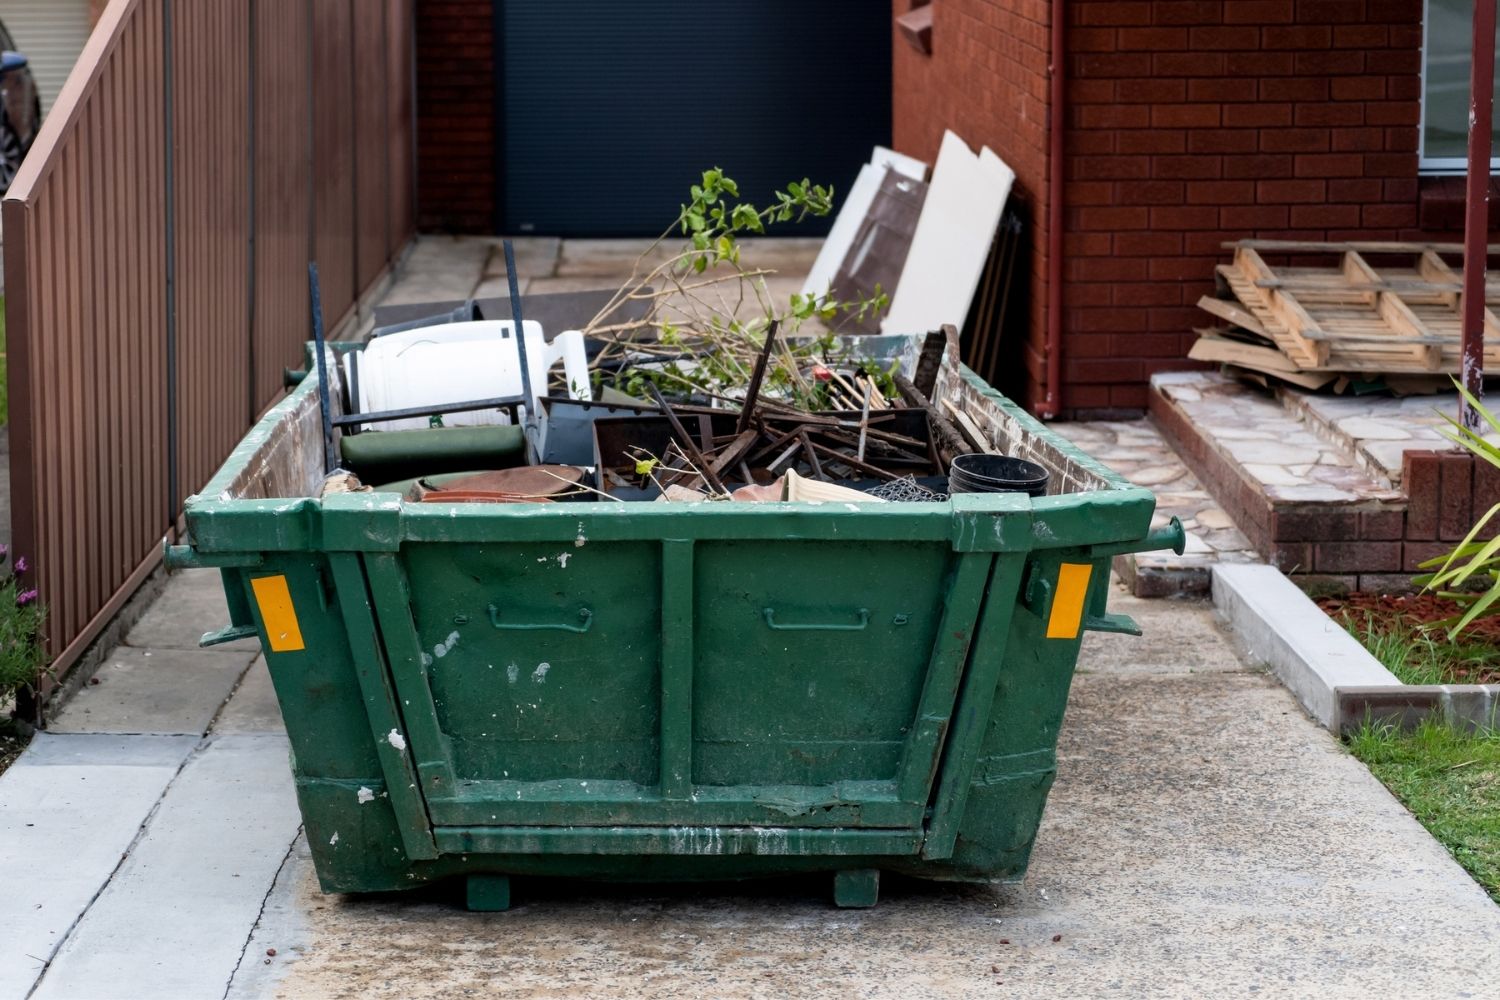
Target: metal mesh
{"points": [[905, 490]]}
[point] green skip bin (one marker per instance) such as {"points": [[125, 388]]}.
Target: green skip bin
{"points": [[661, 691]]}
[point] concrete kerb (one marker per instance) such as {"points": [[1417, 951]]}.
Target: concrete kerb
{"points": [[1335, 678]]}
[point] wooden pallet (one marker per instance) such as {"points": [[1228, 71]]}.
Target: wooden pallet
{"points": [[1353, 316]]}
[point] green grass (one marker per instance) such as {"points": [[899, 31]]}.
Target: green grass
{"points": [[1450, 781], [1418, 657]]}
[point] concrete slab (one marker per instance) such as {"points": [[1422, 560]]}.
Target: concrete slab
{"points": [[283, 929], [192, 604], [1204, 838], [1176, 634], [69, 809], [609, 258], [154, 691], [252, 707], [174, 921], [536, 256], [448, 255]]}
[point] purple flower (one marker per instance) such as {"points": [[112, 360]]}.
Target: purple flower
{"points": [[25, 597], [20, 564]]}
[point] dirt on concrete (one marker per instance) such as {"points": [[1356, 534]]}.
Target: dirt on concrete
{"points": [[1204, 838]]}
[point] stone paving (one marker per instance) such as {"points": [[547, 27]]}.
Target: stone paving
{"points": [[1137, 450], [1377, 430], [1276, 450]]}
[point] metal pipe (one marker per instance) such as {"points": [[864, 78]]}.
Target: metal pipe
{"points": [[1051, 405], [1477, 204]]}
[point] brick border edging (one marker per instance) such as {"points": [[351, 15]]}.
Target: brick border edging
{"points": [[1335, 679]]}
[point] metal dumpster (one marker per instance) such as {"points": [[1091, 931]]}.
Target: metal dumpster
{"points": [[667, 691]]}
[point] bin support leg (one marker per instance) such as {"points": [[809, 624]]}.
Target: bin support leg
{"points": [[489, 893], [858, 889]]}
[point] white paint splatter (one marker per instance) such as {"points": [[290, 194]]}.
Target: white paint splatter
{"points": [[582, 539], [539, 675], [364, 795], [334, 840], [442, 648], [562, 559], [395, 739], [426, 659], [512, 673]]}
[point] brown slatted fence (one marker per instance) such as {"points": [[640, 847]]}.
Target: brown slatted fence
{"points": [[157, 241]]}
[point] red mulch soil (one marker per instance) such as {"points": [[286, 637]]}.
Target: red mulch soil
{"points": [[1409, 612]]}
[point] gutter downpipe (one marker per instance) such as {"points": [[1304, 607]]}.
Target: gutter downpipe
{"points": [[1051, 405], [1476, 205]]}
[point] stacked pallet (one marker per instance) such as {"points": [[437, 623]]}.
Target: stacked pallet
{"points": [[1357, 314]]}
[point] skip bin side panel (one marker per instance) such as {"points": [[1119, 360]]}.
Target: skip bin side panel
{"points": [[811, 658], [1017, 754]]}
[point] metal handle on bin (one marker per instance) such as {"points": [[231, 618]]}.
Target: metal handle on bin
{"points": [[584, 615], [863, 614], [1169, 536], [187, 557]]}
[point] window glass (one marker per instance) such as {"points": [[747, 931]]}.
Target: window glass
{"points": [[1445, 98]]}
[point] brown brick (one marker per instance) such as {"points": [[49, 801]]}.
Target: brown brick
{"points": [[1417, 552], [1315, 525], [1420, 479], [1292, 556], [1382, 525], [1486, 486], [1356, 557], [1455, 496]]}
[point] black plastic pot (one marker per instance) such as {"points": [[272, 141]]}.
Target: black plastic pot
{"points": [[997, 474]]}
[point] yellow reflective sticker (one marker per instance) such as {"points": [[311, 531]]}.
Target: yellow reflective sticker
{"points": [[277, 613], [1067, 606]]}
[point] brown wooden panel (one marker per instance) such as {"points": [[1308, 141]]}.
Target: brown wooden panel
{"points": [[212, 196], [333, 154], [372, 170], [401, 82], [85, 262], [283, 190], [263, 158]]}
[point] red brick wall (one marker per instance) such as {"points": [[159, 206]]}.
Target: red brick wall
{"points": [[1192, 122], [987, 80], [455, 116]]}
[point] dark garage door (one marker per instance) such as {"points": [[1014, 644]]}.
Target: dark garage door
{"points": [[612, 108]]}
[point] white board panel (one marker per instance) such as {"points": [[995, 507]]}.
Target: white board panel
{"points": [[845, 227], [952, 241]]}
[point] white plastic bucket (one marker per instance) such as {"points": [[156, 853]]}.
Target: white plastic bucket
{"points": [[459, 363]]}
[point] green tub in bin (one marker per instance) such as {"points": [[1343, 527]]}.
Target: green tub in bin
{"points": [[667, 691]]}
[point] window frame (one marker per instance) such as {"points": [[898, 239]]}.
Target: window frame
{"points": [[1439, 166]]}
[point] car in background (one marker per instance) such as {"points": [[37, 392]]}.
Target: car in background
{"points": [[20, 109]]}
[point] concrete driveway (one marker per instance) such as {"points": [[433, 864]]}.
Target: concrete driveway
{"points": [[1204, 839]]}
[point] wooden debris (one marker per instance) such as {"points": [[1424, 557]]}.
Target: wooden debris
{"points": [[1364, 310]]}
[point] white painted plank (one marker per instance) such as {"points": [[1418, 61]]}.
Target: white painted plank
{"points": [[952, 240], [907, 166], [845, 227], [69, 809], [175, 918], [852, 213]]}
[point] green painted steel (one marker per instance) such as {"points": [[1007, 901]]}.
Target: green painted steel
{"points": [[670, 691]]}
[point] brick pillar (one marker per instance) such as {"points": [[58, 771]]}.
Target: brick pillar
{"points": [[456, 116]]}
